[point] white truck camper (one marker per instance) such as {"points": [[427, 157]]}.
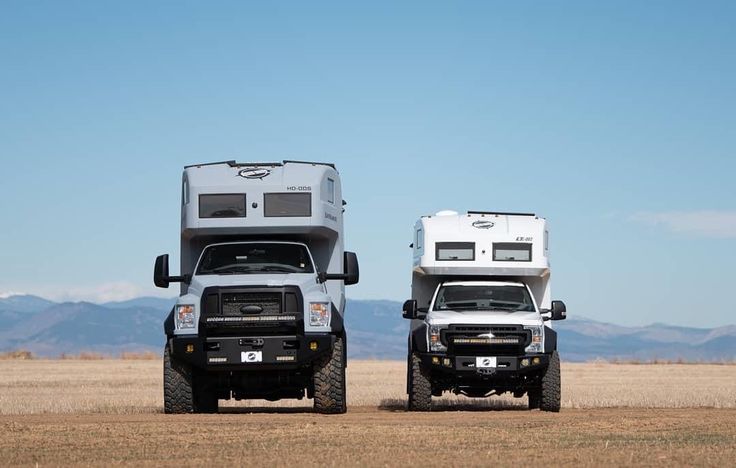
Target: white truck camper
{"points": [[480, 309], [263, 275]]}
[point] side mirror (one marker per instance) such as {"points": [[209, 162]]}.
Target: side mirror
{"points": [[410, 309], [161, 276], [559, 311], [350, 274], [350, 266], [161, 271]]}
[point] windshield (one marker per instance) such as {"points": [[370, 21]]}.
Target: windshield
{"points": [[241, 259], [508, 298]]}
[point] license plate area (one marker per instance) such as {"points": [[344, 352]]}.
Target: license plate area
{"points": [[485, 362], [251, 356]]}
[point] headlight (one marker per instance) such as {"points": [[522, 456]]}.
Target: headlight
{"points": [[537, 344], [435, 343], [184, 316], [319, 314]]}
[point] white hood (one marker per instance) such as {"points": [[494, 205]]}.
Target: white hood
{"points": [[486, 317]]}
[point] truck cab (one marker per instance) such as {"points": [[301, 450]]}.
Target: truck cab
{"points": [[481, 311], [262, 299]]}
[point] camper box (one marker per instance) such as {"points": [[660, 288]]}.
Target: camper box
{"points": [[481, 245]]}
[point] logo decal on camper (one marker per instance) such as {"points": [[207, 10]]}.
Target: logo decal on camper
{"points": [[254, 173], [481, 224]]}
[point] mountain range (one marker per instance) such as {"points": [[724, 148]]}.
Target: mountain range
{"points": [[375, 330]]}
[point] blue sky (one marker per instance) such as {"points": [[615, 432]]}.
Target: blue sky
{"points": [[614, 121]]}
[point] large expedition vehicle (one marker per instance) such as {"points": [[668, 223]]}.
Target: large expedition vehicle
{"points": [[480, 309], [263, 275]]}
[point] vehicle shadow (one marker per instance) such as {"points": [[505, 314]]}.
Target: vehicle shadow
{"points": [[265, 410], [399, 405]]}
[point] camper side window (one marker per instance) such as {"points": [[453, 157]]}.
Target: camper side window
{"points": [[287, 204], [222, 205], [185, 191], [464, 251], [512, 252], [330, 191]]}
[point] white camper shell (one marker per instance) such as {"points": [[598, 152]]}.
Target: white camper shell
{"points": [[293, 200], [480, 308], [510, 246], [263, 275]]}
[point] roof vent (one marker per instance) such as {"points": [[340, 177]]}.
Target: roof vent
{"points": [[446, 213]]}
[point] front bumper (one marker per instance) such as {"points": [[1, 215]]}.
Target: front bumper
{"points": [[465, 366], [241, 353]]}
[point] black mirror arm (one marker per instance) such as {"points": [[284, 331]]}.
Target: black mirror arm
{"points": [[324, 276], [180, 279]]}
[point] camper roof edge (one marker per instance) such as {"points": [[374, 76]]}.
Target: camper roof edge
{"points": [[233, 163]]}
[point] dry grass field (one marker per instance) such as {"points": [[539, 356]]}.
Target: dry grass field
{"points": [[101, 412]]}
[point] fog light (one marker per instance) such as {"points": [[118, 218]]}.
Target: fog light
{"points": [[435, 360], [190, 348], [524, 362], [536, 360], [313, 346], [446, 362]]}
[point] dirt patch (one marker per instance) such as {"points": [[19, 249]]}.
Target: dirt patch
{"points": [[369, 436]]}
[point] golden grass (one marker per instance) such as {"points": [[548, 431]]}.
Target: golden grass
{"points": [[16, 355], [133, 386]]}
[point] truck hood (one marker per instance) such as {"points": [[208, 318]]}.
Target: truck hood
{"points": [[475, 317], [305, 281]]}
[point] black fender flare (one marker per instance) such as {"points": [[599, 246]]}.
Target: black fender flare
{"points": [[550, 340], [169, 323]]}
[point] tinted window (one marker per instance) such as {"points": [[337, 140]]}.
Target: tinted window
{"points": [[331, 191], [222, 206], [287, 204], [247, 258], [455, 250], [512, 252]]}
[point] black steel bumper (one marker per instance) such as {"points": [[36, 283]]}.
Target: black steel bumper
{"points": [[251, 352], [465, 366]]}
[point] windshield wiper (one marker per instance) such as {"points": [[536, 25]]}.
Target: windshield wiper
{"points": [[231, 269], [276, 268]]}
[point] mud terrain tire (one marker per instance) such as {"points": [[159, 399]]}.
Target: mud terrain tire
{"points": [[420, 388], [329, 381], [551, 394], [178, 390]]}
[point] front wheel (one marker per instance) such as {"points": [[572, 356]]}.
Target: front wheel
{"points": [[178, 391], [551, 393], [419, 386], [329, 381]]}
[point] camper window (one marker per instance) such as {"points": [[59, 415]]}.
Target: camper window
{"points": [[287, 204], [230, 205], [512, 252], [455, 251], [330, 191]]}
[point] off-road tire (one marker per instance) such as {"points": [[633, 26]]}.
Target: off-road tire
{"points": [[550, 393], [178, 390], [329, 381], [419, 386]]}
